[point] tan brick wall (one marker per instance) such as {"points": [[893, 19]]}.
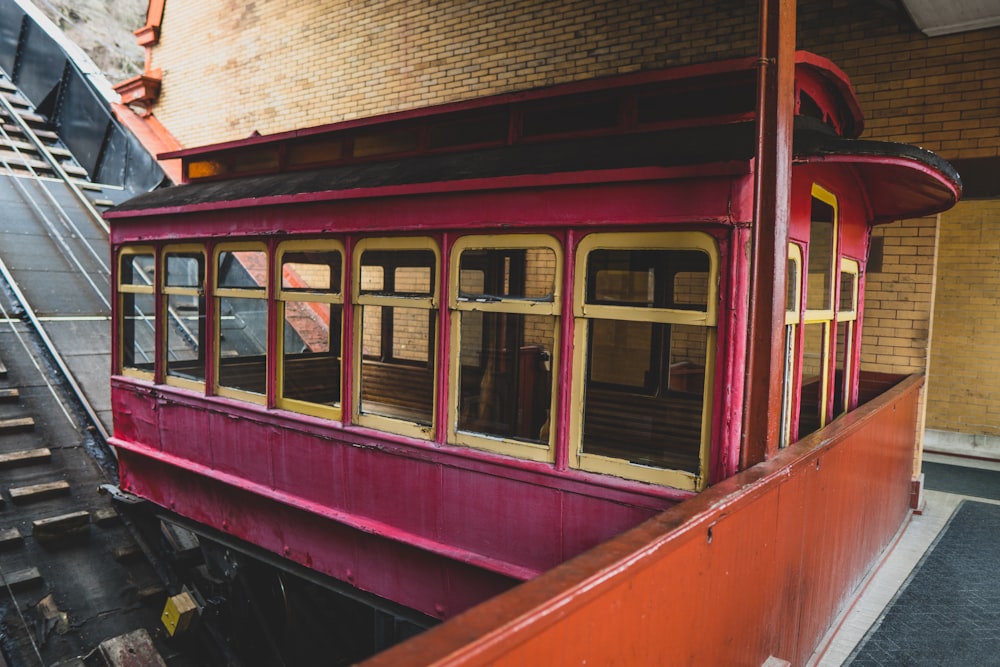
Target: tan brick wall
{"points": [[276, 65], [898, 298], [964, 380]]}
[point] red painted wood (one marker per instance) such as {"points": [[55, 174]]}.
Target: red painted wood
{"points": [[760, 563]]}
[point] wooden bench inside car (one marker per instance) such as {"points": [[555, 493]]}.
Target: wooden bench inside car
{"points": [[651, 430], [402, 391]]}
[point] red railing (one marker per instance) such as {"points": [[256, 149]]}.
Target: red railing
{"points": [[755, 566]]}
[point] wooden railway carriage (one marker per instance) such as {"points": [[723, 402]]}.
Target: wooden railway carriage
{"points": [[438, 352]]}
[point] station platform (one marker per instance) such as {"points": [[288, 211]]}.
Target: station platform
{"points": [[934, 598]]}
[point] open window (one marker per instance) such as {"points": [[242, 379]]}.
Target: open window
{"points": [[793, 308], [395, 319], [504, 304], [847, 319], [183, 313], [645, 329], [818, 316], [137, 312], [241, 277], [310, 302]]}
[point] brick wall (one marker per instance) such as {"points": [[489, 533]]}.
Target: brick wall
{"points": [[964, 378], [898, 298]]}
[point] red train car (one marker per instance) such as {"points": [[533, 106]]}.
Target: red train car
{"points": [[435, 353]]}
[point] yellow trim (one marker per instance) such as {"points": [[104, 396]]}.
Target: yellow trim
{"points": [[167, 291], [795, 256], [281, 297], [643, 241], [430, 302], [508, 446], [315, 296], [219, 293], [851, 267], [827, 197], [128, 288]]}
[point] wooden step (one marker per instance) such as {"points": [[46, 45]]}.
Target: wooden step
{"points": [[39, 491], [16, 424], [10, 538], [64, 525], [21, 579], [25, 457]]}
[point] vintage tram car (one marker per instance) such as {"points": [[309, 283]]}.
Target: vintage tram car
{"points": [[434, 353]]}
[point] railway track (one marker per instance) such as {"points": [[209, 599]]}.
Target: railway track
{"points": [[77, 585]]}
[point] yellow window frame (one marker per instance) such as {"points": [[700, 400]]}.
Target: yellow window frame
{"points": [[163, 316], [129, 288], [792, 316], [826, 316], [219, 293], [281, 298], [584, 312], [521, 449], [430, 302]]}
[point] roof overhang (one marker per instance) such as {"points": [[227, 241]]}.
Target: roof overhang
{"points": [[944, 17], [901, 181]]}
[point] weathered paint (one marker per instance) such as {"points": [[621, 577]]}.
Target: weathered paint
{"points": [[760, 563]]}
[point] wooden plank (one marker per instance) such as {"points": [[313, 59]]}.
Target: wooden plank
{"points": [[106, 516], [39, 491], [63, 525], [16, 424], [21, 579], [10, 393], [10, 537], [25, 457], [135, 649]]}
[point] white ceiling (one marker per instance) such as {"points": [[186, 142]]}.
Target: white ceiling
{"points": [[943, 17]]}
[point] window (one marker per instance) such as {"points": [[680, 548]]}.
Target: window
{"points": [[241, 272], [137, 312], [183, 313], [310, 305], [395, 318], [819, 312], [504, 305], [793, 306], [847, 317], [646, 308]]}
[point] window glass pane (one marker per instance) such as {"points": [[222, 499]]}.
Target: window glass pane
{"points": [[393, 384], [372, 279], [138, 331], [137, 269], [505, 375], [813, 362], [848, 283], [311, 271], [792, 286], [185, 332], [652, 413], [243, 344], [651, 278], [403, 272], [519, 273], [819, 295], [242, 269], [842, 380], [185, 269], [311, 352]]}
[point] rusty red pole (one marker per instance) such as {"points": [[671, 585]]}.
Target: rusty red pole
{"points": [[769, 239]]}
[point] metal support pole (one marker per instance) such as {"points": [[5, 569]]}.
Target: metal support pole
{"points": [[769, 239]]}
